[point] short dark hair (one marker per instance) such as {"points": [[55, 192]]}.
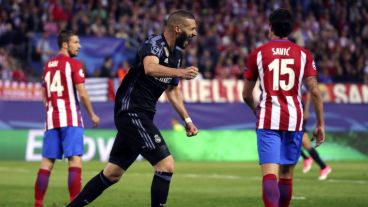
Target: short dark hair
{"points": [[64, 36], [281, 22], [177, 17]]}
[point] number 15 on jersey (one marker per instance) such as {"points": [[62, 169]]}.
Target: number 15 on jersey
{"points": [[281, 67]]}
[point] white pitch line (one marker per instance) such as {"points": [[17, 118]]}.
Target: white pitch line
{"points": [[298, 198], [347, 181], [205, 176], [8, 169]]}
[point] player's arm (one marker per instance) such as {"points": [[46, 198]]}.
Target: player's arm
{"points": [[153, 68], [176, 99], [250, 80], [248, 94], [84, 97], [319, 132], [307, 105], [44, 98]]}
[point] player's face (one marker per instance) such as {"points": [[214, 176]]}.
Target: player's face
{"points": [[74, 46], [186, 31]]}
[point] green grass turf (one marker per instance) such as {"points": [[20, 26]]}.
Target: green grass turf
{"points": [[195, 184]]}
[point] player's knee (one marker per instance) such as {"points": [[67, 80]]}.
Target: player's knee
{"points": [[165, 167], [113, 173], [286, 171], [113, 176]]}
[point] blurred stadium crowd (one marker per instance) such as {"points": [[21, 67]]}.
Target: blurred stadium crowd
{"points": [[336, 31]]}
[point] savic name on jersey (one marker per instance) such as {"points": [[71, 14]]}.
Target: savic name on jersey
{"points": [[59, 76], [280, 66]]}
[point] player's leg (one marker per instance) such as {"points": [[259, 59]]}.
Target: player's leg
{"points": [[72, 140], [290, 151], [161, 181], [94, 187], [155, 150], [268, 144], [308, 161], [286, 184], [74, 176], [324, 169], [51, 150], [123, 153]]}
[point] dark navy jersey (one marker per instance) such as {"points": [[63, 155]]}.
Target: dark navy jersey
{"points": [[140, 92]]}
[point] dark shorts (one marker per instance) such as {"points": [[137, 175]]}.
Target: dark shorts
{"points": [[137, 135]]}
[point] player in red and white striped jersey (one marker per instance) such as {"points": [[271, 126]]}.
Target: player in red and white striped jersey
{"points": [[60, 74], [281, 66], [63, 79]]}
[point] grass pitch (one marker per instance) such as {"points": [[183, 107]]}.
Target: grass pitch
{"points": [[195, 184]]}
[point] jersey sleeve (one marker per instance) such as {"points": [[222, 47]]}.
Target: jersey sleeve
{"points": [[251, 71], [310, 66], [77, 72], [149, 49]]}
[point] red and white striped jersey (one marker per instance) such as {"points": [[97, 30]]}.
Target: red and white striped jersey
{"points": [[280, 66], [60, 75]]}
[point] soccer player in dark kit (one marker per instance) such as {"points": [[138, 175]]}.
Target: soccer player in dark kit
{"points": [[157, 69]]}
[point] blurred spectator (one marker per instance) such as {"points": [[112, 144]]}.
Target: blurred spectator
{"points": [[44, 48], [122, 70], [176, 126], [18, 74], [106, 70]]}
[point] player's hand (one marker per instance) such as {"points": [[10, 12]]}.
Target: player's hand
{"points": [[190, 73], [191, 129], [319, 135], [95, 120]]}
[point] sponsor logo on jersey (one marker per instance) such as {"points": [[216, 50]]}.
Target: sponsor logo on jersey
{"points": [[164, 79]]}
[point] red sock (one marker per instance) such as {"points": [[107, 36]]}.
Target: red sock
{"points": [[40, 187], [270, 191], [74, 182], [286, 191]]}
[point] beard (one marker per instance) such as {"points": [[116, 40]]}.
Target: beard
{"points": [[181, 40], [71, 54]]}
